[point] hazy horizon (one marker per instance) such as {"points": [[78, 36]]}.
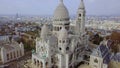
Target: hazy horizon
{"points": [[47, 7]]}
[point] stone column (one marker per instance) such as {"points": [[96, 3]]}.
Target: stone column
{"points": [[9, 56], [3, 55], [60, 61], [12, 55], [67, 61], [44, 66]]}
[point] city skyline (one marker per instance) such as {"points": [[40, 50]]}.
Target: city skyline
{"points": [[47, 7], [45, 34]]}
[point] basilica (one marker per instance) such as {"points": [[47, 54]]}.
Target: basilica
{"points": [[64, 46]]}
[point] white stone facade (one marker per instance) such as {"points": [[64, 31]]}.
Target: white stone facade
{"points": [[10, 50], [59, 48]]}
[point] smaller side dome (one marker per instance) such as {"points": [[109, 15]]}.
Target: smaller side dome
{"points": [[44, 31], [63, 34]]}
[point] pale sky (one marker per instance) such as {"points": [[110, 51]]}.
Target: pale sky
{"points": [[47, 7]]}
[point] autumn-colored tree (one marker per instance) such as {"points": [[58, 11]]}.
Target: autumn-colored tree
{"points": [[115, 37]]}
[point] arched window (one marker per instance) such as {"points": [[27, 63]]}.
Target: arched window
{"points": [[11, 55], [52, 60], [67, 48], [8, 56], [96, 61], [67, 27], [59, 41], [34, 61], [79, 15], [14, 54], [41, 64], [17, 54], [46, 64], [57, 28], [60, 28], [63, 41], [38, 63]]}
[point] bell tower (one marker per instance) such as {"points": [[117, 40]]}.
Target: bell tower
{"points": [[80, 20]]}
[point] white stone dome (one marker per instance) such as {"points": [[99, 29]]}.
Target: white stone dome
{"points": [[63, 33], [44, 32], [61, 12]]}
